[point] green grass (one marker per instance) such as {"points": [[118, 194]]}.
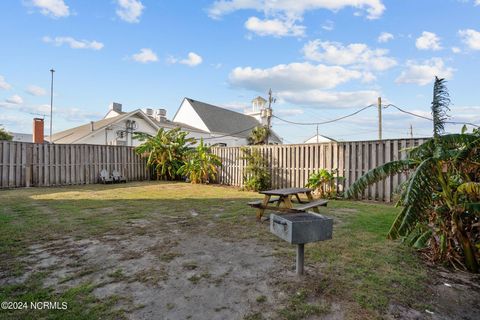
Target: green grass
{"points": [[359, 268]]}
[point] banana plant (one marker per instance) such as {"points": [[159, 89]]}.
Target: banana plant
{"points": [[200, 165], [441, 198], [165, 151]]}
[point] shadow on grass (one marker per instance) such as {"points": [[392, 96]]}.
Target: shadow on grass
{"points": [[359, 267]]}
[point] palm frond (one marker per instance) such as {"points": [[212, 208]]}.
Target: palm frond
{"points": [[378, 174], [416, 200], [440, 103]]}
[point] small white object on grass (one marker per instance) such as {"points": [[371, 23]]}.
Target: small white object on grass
{"points": [[447, 284], [428, 311]]}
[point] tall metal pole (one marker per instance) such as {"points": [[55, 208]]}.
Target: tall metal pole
{"points": [[51, 106], [379, 118], [317, 133]]}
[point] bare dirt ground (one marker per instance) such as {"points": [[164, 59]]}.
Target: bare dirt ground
{"points": [[173, 275], [166, 275], [193, 260]]}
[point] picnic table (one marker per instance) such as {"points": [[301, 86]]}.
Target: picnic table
{"points": [[285, 198]]}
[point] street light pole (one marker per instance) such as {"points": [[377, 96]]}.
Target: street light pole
{"points": [[51, 105]]}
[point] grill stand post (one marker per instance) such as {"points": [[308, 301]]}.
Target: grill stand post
{"points": [[300, 258]]}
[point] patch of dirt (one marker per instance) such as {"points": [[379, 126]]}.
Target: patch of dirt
{"points": [[198, 277], [170, 273]]}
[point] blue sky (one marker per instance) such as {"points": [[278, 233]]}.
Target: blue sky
{"points": [[322, 59]]}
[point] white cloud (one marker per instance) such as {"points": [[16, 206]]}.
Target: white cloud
{"points": [[328, 25], [293, 76], [130, 10], [477, 2], [73, 43], [330, 99], [51, 8], [456, 50], [428, 41], [356, 54], [281, 16], [36, 90], [424, 73], [274, 27], [15, 99], [192, 60], [4, 84], [385, 37], [288, 8], [145, 55], [471, 38]]}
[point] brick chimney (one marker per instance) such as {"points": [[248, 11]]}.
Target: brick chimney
{"points": [[38, 130]]}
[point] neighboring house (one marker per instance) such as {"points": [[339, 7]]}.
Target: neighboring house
{"points": [[118, 127], [226, 127], [217, 126], [318, 138], [22, 137]]}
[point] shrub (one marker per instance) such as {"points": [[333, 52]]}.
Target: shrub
{"points": [[256, 176], [324, 183]]}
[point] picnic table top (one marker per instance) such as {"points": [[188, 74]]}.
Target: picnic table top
{"points": [[285, 192]]}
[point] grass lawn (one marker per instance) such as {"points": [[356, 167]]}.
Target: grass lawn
{"points": [[51, 242]]}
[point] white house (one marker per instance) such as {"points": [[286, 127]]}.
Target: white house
{"points": [[318, 138], [118, 127], [217, 126], [226, 127]]}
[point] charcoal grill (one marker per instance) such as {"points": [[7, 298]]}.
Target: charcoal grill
{"points": [[301, 228]]}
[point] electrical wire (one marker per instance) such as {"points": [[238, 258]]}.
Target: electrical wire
{"points": [[324, 122], [427, 118], [228, 134]]}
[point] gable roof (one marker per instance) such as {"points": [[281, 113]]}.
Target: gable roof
{"points": [[224, 121], [77, 133], [322, 136]]}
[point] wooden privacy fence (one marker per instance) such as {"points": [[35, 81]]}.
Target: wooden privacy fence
{"points": [[28, 164], [291, 165]]}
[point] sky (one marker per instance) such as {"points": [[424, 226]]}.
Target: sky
{"points": [[323, 59]]}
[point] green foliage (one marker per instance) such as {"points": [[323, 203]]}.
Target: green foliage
{"points": [[166, 151], [324, 183], [440, 103], [256, 176], [259, 135], [4, 135], [440, 199], [200, 165]]}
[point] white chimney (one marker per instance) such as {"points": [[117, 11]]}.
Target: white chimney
{"points": [[149, 112], [115, 106], [161, 115]]}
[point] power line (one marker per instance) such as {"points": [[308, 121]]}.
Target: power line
{"points": [[324, 122], [228, 134], [427, 118]]}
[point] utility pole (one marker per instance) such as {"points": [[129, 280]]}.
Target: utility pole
{"points": [[411, 131], [269, 113], [379, 118], [51, 106], [317, 133]]}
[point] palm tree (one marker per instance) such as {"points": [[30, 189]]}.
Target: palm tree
{"points": [[441, 197], [258, 135], [166, 151]]}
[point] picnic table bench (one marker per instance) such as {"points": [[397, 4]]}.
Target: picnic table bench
{"points": [[285, 198]]}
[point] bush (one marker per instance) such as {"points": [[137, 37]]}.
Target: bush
{"points": [[324, 183], [256, 176]]}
